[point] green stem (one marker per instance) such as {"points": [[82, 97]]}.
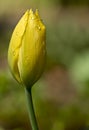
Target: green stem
{"points": [[31, 110]]}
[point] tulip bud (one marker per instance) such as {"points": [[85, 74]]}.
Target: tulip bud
{"points": [[27, 49]]}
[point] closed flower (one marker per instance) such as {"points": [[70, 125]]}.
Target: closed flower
{"points": [[27, 49]]}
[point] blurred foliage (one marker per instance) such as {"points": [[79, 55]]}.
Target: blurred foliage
{"points": [[68, 40], [74, 2], [10, 109], [22, 4]]}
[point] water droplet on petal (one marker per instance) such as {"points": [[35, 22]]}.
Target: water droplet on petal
{"points": [[32, 18], [25, 20], [38, 27], [14, 53]]}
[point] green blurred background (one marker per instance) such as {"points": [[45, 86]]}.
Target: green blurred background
{"points": [[61, 96]]}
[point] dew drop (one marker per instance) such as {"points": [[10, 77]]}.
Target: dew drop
{"points": [[14, 53], [38, 27], [32, 18], [25, 19]]}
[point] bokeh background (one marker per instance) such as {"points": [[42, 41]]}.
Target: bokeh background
{"points": [[61, 96]]}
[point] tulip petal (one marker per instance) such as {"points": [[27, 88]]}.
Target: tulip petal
{"points": [[15, 43], [32, 53]]}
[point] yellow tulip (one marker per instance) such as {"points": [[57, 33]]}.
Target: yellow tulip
{"points": [[27, 49]]}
